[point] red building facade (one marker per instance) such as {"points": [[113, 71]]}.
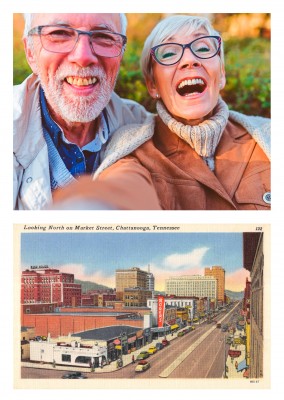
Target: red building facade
{"points": [[49, 286]]}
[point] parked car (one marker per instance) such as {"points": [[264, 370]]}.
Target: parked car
{"points": [[159, 346], [74, 375], [165, 342], [142, 366], [152, 350], [180, 333], [143, 355]]}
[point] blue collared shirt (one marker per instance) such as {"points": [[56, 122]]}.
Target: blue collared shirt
{"points": [[77, 160]]}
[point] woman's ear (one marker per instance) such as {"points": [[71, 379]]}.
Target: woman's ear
{"points": [[30, 55], [151, 86], [222, 78]]}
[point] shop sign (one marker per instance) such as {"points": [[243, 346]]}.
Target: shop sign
{"points": [[161, 308]]}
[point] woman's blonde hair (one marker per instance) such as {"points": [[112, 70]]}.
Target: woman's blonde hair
{"points": [[166, 28]]}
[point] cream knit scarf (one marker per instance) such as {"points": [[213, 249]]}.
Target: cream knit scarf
{"points": [[203, 138]]}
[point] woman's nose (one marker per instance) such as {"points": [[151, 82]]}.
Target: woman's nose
{"points": [[82, 54], [189, 60]]}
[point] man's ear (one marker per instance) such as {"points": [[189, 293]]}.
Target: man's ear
{"points": [[30, 56], [151, 86]]}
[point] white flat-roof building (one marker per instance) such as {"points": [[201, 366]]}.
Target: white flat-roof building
{"points": [[192, 285]]}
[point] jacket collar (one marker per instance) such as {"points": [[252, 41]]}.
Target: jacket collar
{"points": [[228, 172]]}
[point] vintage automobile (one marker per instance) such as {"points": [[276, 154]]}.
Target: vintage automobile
{"points": [[74, 375], [165, 342], [142, 366], [159, 346], [143, 355], [152, 350]]}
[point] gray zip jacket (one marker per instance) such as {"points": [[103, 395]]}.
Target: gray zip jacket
{"points": [[31, 178]]}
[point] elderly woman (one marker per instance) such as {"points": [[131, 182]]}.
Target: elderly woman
{"points": [[195, 154]]}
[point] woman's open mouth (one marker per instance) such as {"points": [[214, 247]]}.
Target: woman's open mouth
{"points": [[188, 87]]}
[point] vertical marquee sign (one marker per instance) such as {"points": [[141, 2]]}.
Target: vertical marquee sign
{"points": [[161, 308]]}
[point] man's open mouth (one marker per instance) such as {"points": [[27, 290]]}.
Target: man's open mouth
{"points": [[78, 81], [188, 87]]}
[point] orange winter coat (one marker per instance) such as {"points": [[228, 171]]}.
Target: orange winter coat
{"points": [[181, 179]]}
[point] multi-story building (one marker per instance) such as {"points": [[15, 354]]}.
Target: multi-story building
{"points": [[130, 278], [49, 286], [97, 298], [253, 259], [218, 273], [136, 297], [150, 281], [192, 285]]}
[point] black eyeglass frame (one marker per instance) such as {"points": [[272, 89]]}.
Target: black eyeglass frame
{"points": [[37, 31], [186, 46]]}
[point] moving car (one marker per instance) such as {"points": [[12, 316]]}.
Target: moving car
{"points": [[143, 355], [152, 350], [142, 366], [74, 375]]}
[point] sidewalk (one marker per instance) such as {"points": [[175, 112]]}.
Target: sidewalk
{"points": [[127, 358], [232, 372]]}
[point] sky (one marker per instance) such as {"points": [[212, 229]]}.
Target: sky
{"points": [[96, 256]]}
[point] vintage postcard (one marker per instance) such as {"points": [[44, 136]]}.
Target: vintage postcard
{"points": [[133, 306]]}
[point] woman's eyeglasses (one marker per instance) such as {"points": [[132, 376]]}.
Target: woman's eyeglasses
{"points": [[171, 53]]}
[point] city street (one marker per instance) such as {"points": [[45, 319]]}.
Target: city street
{"points": [[198, 354]]}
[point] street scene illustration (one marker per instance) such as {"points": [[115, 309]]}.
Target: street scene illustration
{"points": [[142, 305]]}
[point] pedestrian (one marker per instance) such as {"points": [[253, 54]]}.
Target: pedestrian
{"points": [[236, 364], [133, 359]]}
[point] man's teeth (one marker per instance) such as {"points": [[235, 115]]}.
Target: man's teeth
{"points": [[81, 81], [191, 82]]}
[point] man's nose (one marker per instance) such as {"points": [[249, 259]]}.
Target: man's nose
{"points": [[189, 59], [82, 54]]}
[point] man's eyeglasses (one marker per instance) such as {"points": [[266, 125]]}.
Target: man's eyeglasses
{"points": [[171, 53], [62, 39]]}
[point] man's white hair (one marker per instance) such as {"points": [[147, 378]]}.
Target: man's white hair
{"points": [[168, 27], [29, 18]]}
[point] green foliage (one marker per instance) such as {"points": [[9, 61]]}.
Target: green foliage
{"points": [[21, 67], [248, 76]]}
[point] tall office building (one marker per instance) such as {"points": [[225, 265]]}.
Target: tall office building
{"points": [[130, 278], [150, 280], [219, 274], [192, 285]]}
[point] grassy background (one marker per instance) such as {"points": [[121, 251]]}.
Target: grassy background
{"points": [[247, 56]]}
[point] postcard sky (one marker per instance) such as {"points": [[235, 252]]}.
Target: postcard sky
{"points": [[96, 256]]}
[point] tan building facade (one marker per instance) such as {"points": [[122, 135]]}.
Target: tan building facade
{"points": [[136, 297], [129, 278], [218, 273]]}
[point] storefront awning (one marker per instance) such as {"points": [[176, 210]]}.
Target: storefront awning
{"points": [[175, 326], [242, 365]]}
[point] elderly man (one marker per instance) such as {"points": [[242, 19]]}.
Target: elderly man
{"points": [[66, 110]]}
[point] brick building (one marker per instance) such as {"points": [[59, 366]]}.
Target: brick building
{"points": [[49, 286], [253, 261], [97, 298]]}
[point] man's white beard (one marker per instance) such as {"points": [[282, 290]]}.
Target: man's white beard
{"points": [[78, 108]]}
